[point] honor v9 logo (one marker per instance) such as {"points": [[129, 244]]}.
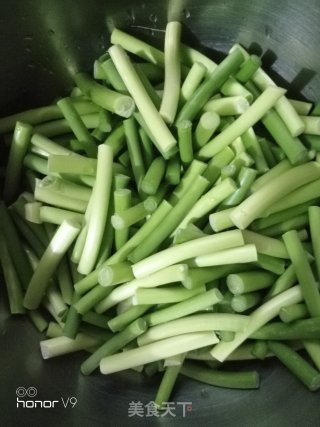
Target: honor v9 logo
{"points": [[27, 398]]}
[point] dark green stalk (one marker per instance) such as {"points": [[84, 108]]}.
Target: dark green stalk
{"points": [[210, 86], [309, 376], [219, 378]]}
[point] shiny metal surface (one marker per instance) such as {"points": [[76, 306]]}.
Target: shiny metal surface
{"points": [[41, 42]]}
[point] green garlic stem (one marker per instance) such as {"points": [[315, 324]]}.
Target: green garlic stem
{"points": [[194, 323], [178, 253], [99, 210], [251, 116], [156, 351], [161, 134], [172, 72], [59, 244], [258, 318], [257, 204]]}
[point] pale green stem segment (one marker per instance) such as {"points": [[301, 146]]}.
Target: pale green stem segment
{"points": [[67, 188], [165, 141], [192, 305], [190, 55], [73, 164], [253, 148], [287, 279], [195, 169], [43, 114], [165, 295], [134, 214], [249, 281], [152, 92], [110, 275], [137, 47], [206, 127], [278, 217], [47, 146], [305, 193], [227, 106], [36, 163], [245, 121], [283, 105], [58, 346], [209, 201], [156, 351], [112, 101], [271, 174], [57, 216], [185, 141], [46, 191], [217, 164], [122, 201], [239, 255], [99, 210], [234, 88], [104, 124], [302, 107], [153, 222], [266, 245], [194, 323], [171, 274], [55, 128], [191, 232], [152, 180], [172, 72], [192, 81], [178, 253], [58, 246], [256, 205], [241, 303], [116, 140], [173, 171], [257, 319]]}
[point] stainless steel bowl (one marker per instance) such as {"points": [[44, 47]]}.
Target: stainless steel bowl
{"points": [[41, 43]]}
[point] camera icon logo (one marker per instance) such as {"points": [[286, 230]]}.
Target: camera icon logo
{"points": [[30, 391]]}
